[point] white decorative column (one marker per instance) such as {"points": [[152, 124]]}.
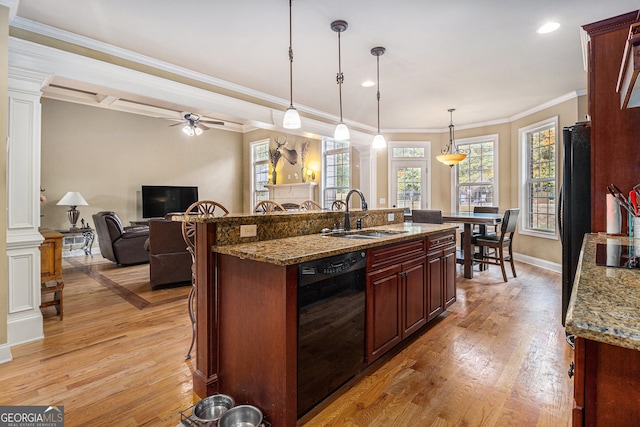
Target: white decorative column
{"points": [[24, 319]]}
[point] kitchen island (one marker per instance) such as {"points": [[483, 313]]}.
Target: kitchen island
{"points": [[247, 299], [604, 316]]}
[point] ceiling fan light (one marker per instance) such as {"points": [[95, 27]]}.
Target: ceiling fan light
{"points": [[291, 119], [188, 130], [341, 133], [197, 130], [379, 142]]}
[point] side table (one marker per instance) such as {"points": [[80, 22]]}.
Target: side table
{"points": [[78, 236]]}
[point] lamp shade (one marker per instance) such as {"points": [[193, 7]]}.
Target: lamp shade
{"points": [[341, 133], [73, 198], [379, 142], [291, 119]]}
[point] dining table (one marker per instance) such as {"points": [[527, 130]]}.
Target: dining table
{"points": [[469, 219]]}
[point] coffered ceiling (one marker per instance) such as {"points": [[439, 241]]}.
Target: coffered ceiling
{"points": [[483, 58]]}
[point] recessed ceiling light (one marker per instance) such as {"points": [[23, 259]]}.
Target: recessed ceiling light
{"points": [[368, 83], [548, 27]]}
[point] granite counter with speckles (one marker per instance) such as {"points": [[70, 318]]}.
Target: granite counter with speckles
{"points": [[605, 301], [294, 250]]}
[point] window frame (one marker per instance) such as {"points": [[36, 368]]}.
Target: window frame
{"points": [[523, 154], [254, 163], [325, 152], [411, 162], [460, 143]]}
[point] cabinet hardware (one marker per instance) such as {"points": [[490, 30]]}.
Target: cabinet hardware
{"points": [[572, 369]]}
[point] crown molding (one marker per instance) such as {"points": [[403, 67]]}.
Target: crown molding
{"points": [[98, 46]]}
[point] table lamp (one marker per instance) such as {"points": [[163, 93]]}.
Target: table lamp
{"points": [[73, 199]]}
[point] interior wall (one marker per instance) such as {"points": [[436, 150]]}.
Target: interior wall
{"points": [[568, 113], [108, 155], [286, 172]]}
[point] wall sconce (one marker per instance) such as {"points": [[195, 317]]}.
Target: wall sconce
{"points": [[311, 175]]}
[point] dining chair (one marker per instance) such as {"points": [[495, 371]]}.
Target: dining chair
{"points": [[268, 206], [206, 208], [338, 205], [499, 242], [429, 216], [310, 205]]}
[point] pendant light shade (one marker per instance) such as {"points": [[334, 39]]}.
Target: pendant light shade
{"points": [[450, 155], [342, 131], [378, 140], [291, 118]]}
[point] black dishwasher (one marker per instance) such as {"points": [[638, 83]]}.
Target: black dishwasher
{"points": [[331, 318]]}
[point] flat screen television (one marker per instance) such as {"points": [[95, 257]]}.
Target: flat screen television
{"points": [[159, 200]]}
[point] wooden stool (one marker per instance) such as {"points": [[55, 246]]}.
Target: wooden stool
{"points": [[55, 287]]}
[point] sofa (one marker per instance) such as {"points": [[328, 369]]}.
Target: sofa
{"points": [[122, 245], [169, 261]]}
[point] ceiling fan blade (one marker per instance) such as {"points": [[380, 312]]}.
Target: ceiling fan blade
{"points": [[202, 126], [212, 122], [177, 124]]}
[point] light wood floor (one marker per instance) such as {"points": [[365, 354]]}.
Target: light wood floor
{"points": [[497, 358]]}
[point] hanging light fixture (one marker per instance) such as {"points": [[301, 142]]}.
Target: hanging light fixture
{"points": [[342, 131], [450, 154], [291, 118], [378, 140]]}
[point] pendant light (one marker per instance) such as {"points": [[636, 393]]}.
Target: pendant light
{"points": [[291, 118], [450, 155], [342, 131], [378, 140]]}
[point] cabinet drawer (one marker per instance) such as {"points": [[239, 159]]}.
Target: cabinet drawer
{"points": [[441, 241], [395, 253]]}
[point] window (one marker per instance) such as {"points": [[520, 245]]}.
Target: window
{"points": [[260, 171], [475, 177], [538, 178], [336, 169], [408, 175]]}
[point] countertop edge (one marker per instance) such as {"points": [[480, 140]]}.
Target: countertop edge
{"points": [[295, 250]]}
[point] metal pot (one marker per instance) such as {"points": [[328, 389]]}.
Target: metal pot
{"points": [[241, 415], [213, 407]]}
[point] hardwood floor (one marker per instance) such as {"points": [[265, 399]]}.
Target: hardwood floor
{"points": [[497, 358]]}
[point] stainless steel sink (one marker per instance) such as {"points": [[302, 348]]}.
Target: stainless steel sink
{"points": [[366, 234]]}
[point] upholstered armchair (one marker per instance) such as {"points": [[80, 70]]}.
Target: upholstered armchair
{"points": [[122, 245]]}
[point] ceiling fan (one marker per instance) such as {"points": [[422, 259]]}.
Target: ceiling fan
{"points": [[194, 125]]}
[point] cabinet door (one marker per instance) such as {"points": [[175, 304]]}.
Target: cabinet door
{"points": [[414, 295], [449, 269], [435, 275], [384, 328]]}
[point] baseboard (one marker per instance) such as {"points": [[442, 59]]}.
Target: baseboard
{"points": [[542, 263], [24, 329], [5, 354]]}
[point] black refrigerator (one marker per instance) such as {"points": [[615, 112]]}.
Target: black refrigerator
{"points": [[574, 209]]}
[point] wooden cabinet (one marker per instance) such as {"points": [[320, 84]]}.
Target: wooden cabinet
{"points": [[606, 385], [614, 131], [406, 287], [441, 260], [396, 294], [51, 269], [50, 255]]}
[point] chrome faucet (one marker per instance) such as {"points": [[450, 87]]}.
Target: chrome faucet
{"points": [[363, 202]]}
